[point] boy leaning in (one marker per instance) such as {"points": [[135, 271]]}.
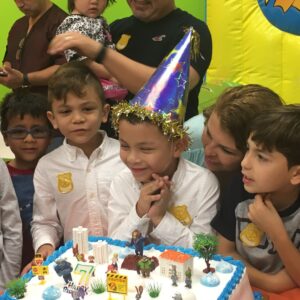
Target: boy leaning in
{"points": [[26, 130], [268, 226], [163, 196], [72, 182]]}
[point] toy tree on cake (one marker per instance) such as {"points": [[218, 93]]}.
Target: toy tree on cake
{"points": [[206, 246]]}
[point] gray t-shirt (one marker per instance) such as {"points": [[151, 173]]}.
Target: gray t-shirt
{"points": [[264, 257]]}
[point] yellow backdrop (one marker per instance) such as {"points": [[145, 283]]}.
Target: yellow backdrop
{"points": [[247, 48]]}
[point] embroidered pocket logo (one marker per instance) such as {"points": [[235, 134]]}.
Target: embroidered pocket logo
{"points": [[64, 182], [181, 213], [123, 41]]}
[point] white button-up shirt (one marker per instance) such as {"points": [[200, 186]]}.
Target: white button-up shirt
{"points": [[72, 190], [194, 195], [10, 229]]}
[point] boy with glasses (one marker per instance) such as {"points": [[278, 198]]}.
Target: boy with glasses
{"points": [[25, 129]]}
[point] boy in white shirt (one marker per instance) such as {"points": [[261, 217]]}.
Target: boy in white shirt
{"points": [[162, 195], [72, 182]]}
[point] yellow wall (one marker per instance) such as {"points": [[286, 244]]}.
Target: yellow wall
{"points": [[249, 49]]}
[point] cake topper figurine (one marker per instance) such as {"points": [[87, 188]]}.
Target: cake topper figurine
{"points": [[137, 241], [139, 292], [206, 246], [17, 288], [63, 268], [188, 278], [113, 267], [163, 98], [174, 276]]}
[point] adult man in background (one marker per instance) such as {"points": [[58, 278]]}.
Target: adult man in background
{"points": [[26, 63], [142, 41], [153, 30]]}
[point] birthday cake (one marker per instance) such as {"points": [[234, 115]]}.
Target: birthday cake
{"points": [[108, 273]]}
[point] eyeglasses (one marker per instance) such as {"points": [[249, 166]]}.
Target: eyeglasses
{"points": [[20, 48], [38, 132]]}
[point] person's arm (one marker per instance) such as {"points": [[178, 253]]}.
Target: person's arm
{"points": [[11, 230], [263, 214], [14, 78], [45, 227], [129, 73], [270, 282]]}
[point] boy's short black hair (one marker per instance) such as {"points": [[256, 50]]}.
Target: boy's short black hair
{"points": [[21, 104], [73, 77], [279, 129], [71, 4]]}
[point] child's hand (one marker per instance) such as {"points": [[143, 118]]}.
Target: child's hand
{"points": [[159, 207], [263, 214], [150, 192], [45, 250]]}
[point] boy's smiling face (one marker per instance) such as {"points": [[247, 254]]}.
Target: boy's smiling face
{"points": [[146, 151], [28, 150], [266, 172], [79, 118]]}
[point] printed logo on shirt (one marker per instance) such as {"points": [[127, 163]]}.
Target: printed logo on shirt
{"points": [[181, 213], [159, 38], [123, 41], [64, 182]]}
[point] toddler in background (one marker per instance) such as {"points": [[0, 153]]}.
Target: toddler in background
{"points": [[86, 18], [26, 130]]}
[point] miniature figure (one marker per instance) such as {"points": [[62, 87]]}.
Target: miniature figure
{"points": [[188, 278], [139, 292], [91, 259], [17, 288], [177, 296], [113, 267], [137, 241], [174, 276], [63, 268], [79, 256], [206, 246], [145, 266]]}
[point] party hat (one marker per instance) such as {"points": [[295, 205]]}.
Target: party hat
{"points": [[163, 98]]}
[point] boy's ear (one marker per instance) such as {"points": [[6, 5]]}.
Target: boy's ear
{"points": [[52, 119], [180, 145], [105, 112], [295, 179]]}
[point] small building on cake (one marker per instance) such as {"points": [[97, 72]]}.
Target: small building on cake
{"points": [[180, 260], [100, 251], [80, 239]]}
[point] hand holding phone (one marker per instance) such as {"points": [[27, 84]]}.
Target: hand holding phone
{"points": [[3, 74]]}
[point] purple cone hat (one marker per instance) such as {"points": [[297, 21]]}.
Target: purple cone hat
{"points": [[163, 98]]}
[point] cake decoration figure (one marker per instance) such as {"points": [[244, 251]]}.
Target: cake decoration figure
{"points": [[137, 241], [139, 292], [177, 296], [113, 267], [145, 265], [174, 276], [188, 278], [154, 290], [63, 268]]}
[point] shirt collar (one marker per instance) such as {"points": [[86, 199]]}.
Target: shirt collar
{"points": [[73, 151]]}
